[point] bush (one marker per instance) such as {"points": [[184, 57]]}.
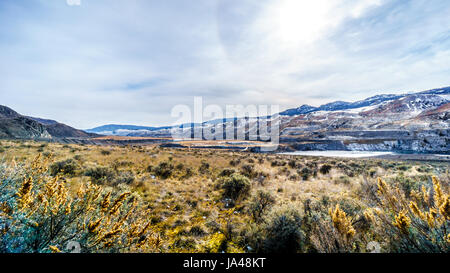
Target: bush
{"points": [[414, 226], [235, 186], [280, 232], [325, 169], [67, 167], [292, 163], [164, 170], [227, 172], [248, 171], [305, 173], [283, 233], [126, 177], [235, 162], [204, 168], [342, 180], [100, 174], [105, 152], [260, 203], [99, 221], [188, 172]]}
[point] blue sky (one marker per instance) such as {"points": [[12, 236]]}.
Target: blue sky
{"points": [[131, 61]]}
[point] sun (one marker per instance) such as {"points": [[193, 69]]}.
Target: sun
{"points": [[301, 22]]}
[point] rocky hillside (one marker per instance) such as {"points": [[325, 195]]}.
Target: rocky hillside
{"points": [[412, 122], [16, 126]]}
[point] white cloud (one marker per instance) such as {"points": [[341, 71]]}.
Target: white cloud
{"points": [[107, 61]]}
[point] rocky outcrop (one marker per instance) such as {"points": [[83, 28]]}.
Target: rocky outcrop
{"points": [[424, 141]]}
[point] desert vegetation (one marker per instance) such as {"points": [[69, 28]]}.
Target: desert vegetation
{"points": [[153, 199]]}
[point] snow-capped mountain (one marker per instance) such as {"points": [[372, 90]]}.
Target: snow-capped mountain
{"points": [[417, 122], [389, 111], [375, 100]]}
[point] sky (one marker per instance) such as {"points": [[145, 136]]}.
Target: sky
{"points": [[93, 62]]}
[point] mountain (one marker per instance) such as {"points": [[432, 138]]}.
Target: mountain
{"points": [[410, 122], [13, 125], [16, 126], [375, 100], [123, 130], [304, 109], [44, 121]]}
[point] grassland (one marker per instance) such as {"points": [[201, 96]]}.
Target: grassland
{"points": [[204, 200]]}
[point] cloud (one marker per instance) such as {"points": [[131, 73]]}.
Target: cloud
{"points": [[113, 61]]}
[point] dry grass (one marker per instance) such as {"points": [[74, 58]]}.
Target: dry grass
{"points": [[187, 209]]}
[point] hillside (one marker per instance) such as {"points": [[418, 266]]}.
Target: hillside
{"points": [[376, 123], [16, 126]]}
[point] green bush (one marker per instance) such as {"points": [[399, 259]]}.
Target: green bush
{"points": [[235, 186], [204, 168], [248, 171], [280, 232], [164, 170], [227, 172], [100, 174], [67, 167], [325, 169], [305, 173]]}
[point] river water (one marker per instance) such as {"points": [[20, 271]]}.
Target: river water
{"points": [[347, 154]]}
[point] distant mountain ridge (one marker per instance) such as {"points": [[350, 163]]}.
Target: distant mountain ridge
{"points": [[342, 105], [116, 129], [362, 114], [411, 122]]}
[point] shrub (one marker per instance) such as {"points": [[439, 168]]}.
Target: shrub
{"points": [[227, 172], [235, 186], [105, 152], [248, 171], [325, 169], [235, 162], [126, 177], [188, 172], [204, 168], [372, 172], [100, 174], [305, 173], [342, 180], [260, 203], [292, 163], [164, 170], [280, 233], [417, 225], [44, 216], [67, 167]]}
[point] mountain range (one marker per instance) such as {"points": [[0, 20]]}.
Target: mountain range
{"points": [[421, 110], [412, 122]]}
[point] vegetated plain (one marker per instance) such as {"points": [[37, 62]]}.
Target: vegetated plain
{"points": [[152, 199]]}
